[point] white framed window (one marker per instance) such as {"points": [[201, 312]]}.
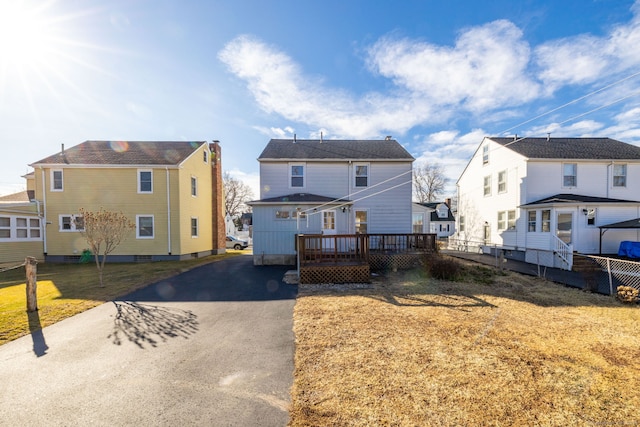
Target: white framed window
{"points": [[283, 214], [194, 227], [511, 220], [619, 175], [569, 174], [418, 223], [5, 227], [361, 221], [485, 155], [461, 223], [299, 214], [296, 175], [502, 181], [591, 217], [16, 228], [487, 185], [57, 180], [145, 181], [546, 221], [71, 223], [532, 217], [361, 173], [205, 156], [194, 186], [502, 220], [144, 227]]}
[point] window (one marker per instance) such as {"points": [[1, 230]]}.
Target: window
{"points": [[56, 180], [5, 227], [418, 223], [511, 220], [531, 221], [362, 175], [194, 227], [502, 220], [299, 214], [361, 222], [282, 214], [502, 182], [546, 221], [71, 223], [144, 229], [19, 228], [487, 185], [145, 181], [485, 154], [461, 223], [297, 175], [569, 174], [205, 156], [619, 175], [194, 186], [591, 217]]}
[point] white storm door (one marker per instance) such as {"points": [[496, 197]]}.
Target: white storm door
{"points": [[329, 222], [564, 226]]}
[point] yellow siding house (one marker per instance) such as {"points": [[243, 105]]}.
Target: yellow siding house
{"points": [[20, 229], [167, 188]]}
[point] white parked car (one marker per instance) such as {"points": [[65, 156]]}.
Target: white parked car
{"points": [[235, 243]]}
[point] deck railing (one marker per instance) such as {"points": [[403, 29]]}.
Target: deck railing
{"points": [[356, 248]]}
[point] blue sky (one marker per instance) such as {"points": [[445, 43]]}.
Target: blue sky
{"points": [[436, 75]]}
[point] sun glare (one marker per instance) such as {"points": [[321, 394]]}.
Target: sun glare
{"points": [[25, 35]]}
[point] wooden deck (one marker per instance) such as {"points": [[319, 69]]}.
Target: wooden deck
{"points": [[351, 257]]}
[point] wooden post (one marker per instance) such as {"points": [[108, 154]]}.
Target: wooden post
{"points": [[31, 270]]}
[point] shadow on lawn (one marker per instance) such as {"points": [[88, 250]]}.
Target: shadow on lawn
{"points": [[151, 324]]}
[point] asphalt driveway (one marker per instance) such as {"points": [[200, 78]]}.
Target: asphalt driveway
{"points": [[213, 346]]}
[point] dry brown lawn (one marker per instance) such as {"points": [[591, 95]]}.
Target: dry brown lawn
{"points": [[414, 351]]}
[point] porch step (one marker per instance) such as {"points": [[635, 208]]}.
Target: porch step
{"points": [[291, 277], [588, 269]]}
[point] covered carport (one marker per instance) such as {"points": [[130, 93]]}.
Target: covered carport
{"points": [[628, 224]]}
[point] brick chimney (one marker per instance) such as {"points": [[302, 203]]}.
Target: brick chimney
{"points": [[217, 201]]}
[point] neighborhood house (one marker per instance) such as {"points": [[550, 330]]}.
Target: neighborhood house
{"points": [[171, 190], [328, 187], [541, 199]]}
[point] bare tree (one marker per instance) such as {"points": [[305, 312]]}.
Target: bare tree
{"points": [[428, 182], [104, 231], [236, 194]]}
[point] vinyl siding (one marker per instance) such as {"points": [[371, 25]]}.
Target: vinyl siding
{"points": [[194, 207], [112, 189]]}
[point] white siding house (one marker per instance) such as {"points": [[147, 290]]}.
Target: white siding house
{"points": [[532, 195], [328, 187], [434, 218]]}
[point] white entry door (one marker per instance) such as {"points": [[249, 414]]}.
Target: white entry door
{"points": [[328, 228], [329, 222]]}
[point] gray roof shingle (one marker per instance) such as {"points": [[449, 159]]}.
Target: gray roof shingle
{"points": [[576, 198], [301, 198], [571, 148], [124, 153], [334, 149]]}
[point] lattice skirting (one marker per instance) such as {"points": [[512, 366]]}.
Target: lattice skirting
{"points": [[385, 262], [335, 274]]}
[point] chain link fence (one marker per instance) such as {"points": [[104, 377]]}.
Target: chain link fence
{"points": [[618, 272]]}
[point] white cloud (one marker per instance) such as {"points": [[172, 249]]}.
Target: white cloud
{"points": [[584, 59], [485, 69]]}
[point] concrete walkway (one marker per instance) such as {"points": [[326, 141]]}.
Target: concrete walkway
{"points": [[213, 346]]}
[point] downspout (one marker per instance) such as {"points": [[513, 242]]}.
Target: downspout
{"points": [[609, 167], [168, 214], [43, 224]]}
